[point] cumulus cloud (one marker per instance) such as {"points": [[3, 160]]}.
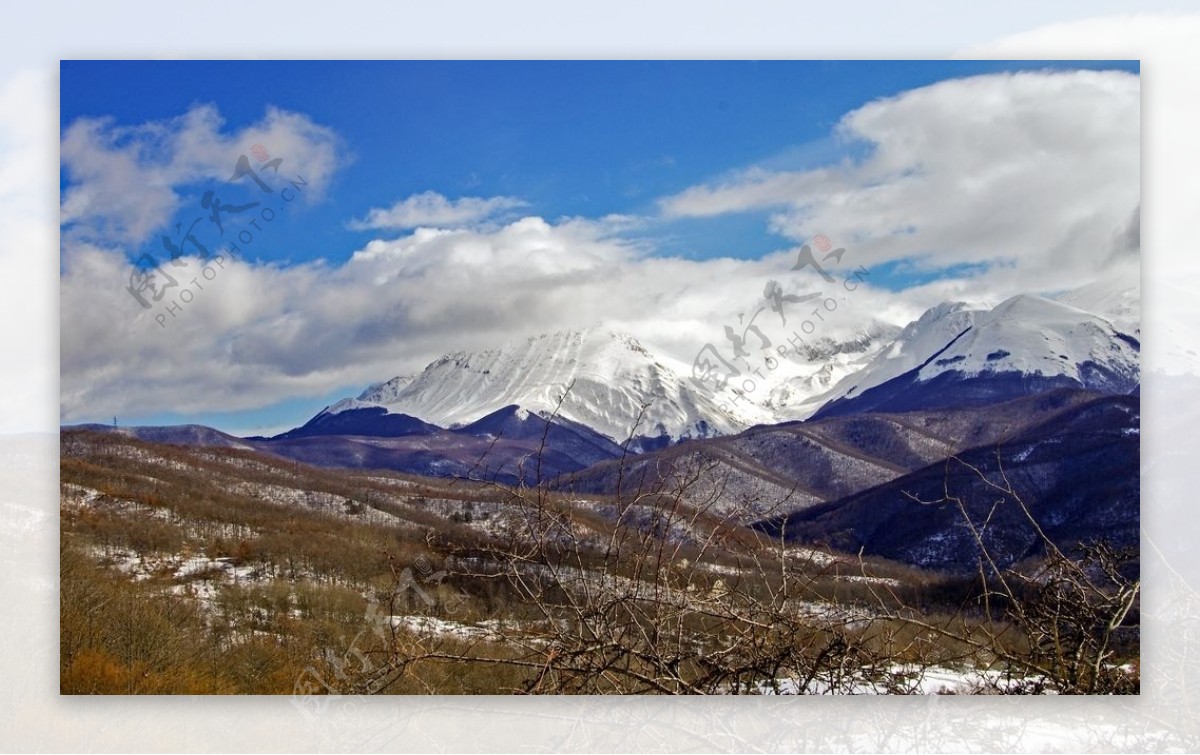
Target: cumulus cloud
{"points": [[1166, 43], [1032, 172], [258, 332], [432, 209], [123, 179]]}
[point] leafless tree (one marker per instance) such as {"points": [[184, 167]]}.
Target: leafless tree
{"points": [[660, 589]]}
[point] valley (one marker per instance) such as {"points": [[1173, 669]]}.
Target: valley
{"points": [[573, 514]]}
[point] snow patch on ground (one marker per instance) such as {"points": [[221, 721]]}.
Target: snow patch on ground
{"points": [[491, 630], [906, 679]]}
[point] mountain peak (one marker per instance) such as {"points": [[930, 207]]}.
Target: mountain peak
{"points": [[1024, 344], [597, 376], [1116, 296], [383, 393], [1031, 307]]}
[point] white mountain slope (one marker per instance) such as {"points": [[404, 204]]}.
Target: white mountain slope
{"points": [[916, 343], [1033, 335], [1025, 335], [612, 375], [805, 377], [1117, 297], [380, 394], [388, 391]]}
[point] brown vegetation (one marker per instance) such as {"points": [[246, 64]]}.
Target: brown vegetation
{"points": [[309, 580]]}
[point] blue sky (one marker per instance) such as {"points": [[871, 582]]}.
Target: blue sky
{"points": [[654, 142], [570, 138]]}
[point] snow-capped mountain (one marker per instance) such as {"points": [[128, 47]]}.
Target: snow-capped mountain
{"points": [[383, 393], [1117, 297], [969, 353], [820, 365], [611, 376], [914, 345], [956, 353]]}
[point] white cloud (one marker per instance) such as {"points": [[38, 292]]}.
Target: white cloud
{"points": [[1029, 170], [432, 209], [1166, 44], [1037, 172], [123, 178], [754, 188], [257, 333]]}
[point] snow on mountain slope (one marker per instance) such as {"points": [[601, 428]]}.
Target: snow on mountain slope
{"points": [[822, 363], [383, 393], [380, 394], [612, 375], [915, 344], [1117, 297], [1023, 335], [1038, 336]]}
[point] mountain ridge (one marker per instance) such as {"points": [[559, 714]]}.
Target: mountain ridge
{"points": [[959, 354]]}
